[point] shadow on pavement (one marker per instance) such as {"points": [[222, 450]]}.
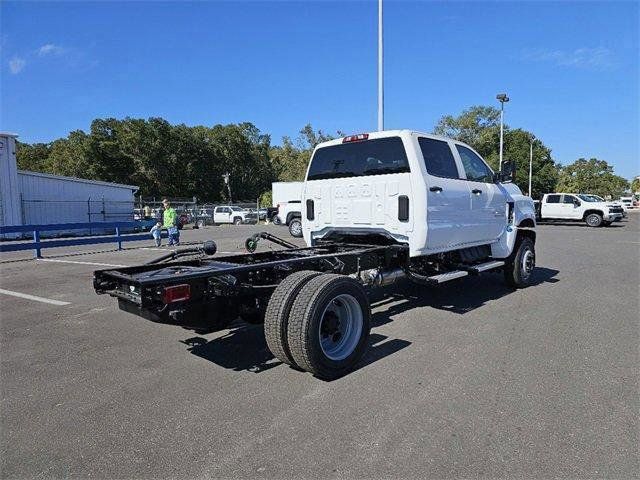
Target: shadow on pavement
{"points": [[459, 297], [244, 347]]}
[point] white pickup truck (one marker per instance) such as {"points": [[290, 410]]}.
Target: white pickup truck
{"points": [[233, 214], [578, 207], [287, 198]]}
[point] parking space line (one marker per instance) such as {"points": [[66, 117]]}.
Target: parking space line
{"points": [[81, 263], [33, 297]]}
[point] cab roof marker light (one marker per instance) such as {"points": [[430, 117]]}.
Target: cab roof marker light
{"points": [[355, 138]]}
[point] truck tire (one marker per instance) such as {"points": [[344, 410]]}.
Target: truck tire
{"points": [[519, 268], [237, 221], [276, 318], [295, 228], [276, 220], [329, 325], [593, 220]]}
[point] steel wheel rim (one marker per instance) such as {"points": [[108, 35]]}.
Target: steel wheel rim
{"points": [[592, 220], [340, 327], [296, 228], [528, 263]]}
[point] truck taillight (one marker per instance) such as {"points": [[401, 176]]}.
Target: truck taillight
{"points": [[176, 293], [355, 138]]}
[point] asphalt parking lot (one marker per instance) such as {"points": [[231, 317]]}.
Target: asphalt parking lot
{"points": [[467, 380]]}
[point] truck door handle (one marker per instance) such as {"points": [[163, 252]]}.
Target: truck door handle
{"points": [[435, 189], [476, 191]]}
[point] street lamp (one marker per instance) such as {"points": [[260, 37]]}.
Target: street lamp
{"points": [[502, 98], [531, 139], [380, 71]]}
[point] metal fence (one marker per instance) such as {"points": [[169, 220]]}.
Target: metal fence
{"points": [[43, 211]]}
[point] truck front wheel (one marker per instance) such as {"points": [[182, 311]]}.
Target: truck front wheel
{"points": [[593, 219], [519, 268], [329, 325]]}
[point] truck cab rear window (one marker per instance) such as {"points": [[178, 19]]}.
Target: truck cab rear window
{"points": [[370, 157]]}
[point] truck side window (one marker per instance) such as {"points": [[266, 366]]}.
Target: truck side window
{"points": [[474, 166], [568, 199], [438, 158], [553, 198]]}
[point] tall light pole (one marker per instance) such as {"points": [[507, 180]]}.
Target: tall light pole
{"points": [[530, 161], [502, 98], [380, 71]]}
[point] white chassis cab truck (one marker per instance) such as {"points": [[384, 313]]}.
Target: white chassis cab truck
{"points": [[579, 207], [376, 208]]}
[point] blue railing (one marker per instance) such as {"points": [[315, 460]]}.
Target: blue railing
{"points": [[36, 244]]}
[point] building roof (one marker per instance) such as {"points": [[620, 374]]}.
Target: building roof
{"points": [[79, 180]]}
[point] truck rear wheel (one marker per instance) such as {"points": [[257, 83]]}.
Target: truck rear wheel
{"points": [[295, 228], [518, 270], [329, 325], [593, 220], [276, 318]]}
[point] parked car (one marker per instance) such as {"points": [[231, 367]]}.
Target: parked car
{"points": [[233, 214]]}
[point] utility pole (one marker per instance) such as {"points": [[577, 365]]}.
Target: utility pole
{"points": [[530, 162], [380, 71], [502, 98]]}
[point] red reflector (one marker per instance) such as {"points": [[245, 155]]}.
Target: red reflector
{"points": [[355, 138], [176, 293]]}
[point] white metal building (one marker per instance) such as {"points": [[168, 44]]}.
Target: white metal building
{"points": [[28, 198]]}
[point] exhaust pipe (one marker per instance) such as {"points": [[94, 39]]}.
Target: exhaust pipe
{"points": [[378, 278]]}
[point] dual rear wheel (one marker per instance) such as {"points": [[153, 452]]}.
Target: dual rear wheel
{"points": [[319, 323]]}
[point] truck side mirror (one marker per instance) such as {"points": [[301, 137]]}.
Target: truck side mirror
{"points": [[508, 172]]}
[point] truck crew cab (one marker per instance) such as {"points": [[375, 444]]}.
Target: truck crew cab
{"points": [[376, 208], [579, 207]]}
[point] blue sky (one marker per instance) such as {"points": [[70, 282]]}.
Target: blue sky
{"points": [[570, 68]]}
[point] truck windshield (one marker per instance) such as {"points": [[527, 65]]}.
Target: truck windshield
{"points": [[370, 157]]}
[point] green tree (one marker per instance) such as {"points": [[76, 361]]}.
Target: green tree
{"points": [[479, 127], [32, 157], [635, 185], [591, 176], [290, 161]]}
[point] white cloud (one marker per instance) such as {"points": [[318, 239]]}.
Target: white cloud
{"points": [[50, 49], [598, 58], [16, 64]]}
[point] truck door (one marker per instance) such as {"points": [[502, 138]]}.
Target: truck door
{"points": [[488, 202], [447, 196], [551, 207], [221, 215], [571, 207]]}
